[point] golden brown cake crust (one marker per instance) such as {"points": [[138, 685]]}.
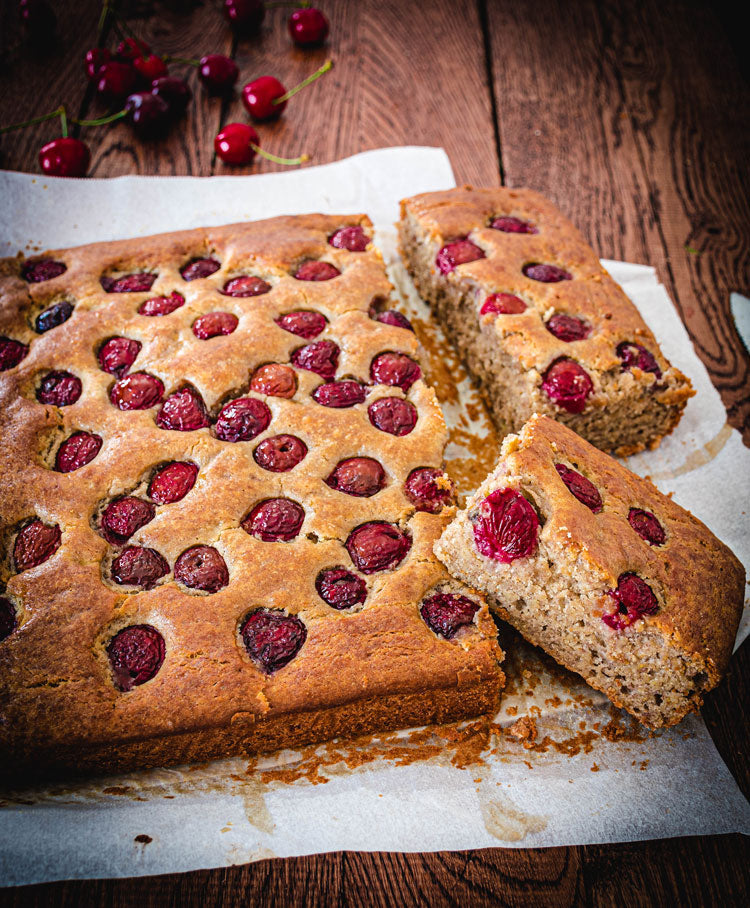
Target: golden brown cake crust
{"points": [[56, 687]]}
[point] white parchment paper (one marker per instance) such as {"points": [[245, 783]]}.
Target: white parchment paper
{"points": [[591, 775]]}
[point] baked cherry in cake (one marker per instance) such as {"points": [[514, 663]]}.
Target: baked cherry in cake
{"points": [[303, 323], [647, 526], [244, 286], [272, 638], [162, 305], [128, 283], [274, 380], [280, 453], [580, 487], [172, 482], [568, 385], [316, 271], [508, 224], [183, 411], [34, 544], [502, 304], [59, 389], [394, 369], [198, 268], [138, 391], [77, 450], [447, 613], [214, 324], [117, 355], [394, 318], [53, 316], [125, 516], [377, 546], [202, 568], [567, 328], [275, 520], [44, 270], [545, 273], [506, 526], [428, 489], [242, 419], [358, 476], [340, 588], [321, 357], [458, 253], [393, 415], [139, 566], [352, 238], [633, 354], [340, 394], [634, 598], [11, 353], [136, 654]]}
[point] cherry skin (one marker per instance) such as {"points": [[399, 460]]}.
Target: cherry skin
{"points": [[11, 353], [147, 113], [174, 92], [234, 143], [65, 157], [258, 97], [244, 15], [116, 80], [135, 654], [217, 72], [502, 304], [130, 48], [150, 67], [308, 27], [94, 60]]}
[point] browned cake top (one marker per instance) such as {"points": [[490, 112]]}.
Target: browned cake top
{"points": [[623, 525], [183, 373], [566, 304]]}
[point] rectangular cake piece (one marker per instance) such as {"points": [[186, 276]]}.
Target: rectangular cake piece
{"points": [[220, 485], [540, 323], [593, 564]]}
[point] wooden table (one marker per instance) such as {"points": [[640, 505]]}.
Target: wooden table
{"points": [[633, 118]]}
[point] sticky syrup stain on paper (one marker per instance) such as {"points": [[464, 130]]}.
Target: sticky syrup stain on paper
{"points": [[504, 820]]}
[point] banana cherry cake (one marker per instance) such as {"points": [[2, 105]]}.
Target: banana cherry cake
{"points": [[220, 485], [540, 323], [610, 577]]}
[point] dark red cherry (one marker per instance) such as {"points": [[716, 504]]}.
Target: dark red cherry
{"points": [[272, 639], [138, 282], [198, 268], [183, 411], [65, 157], [647, 526], [59, 389], [633, 354], [117, 355], [125, 516], [274, 380], [162, 305], [147, 113], [94, 60], [130, 48], [546, 274], [446, 613], [138, 566], [53, 316], [8, 618], [150, 67], [76, 451], [242, 419], [172, 482], [393, 415], [352, 238], [457, 253], [116, 80], [340, 394], [36, 543], [502, 304], [394, 318], [174, 92], [358, 476], [44, 270], [11, 353], [308, 27], [321, 357], [275, 520], [634, 598], [234, 143], [506, 527], [258, 97], [428, 489], [340, 588], [280, 453], [217, 72], [136, 654], [580, 487], [568, 385], [244, 16], [394, 369], [377, 546], [567, 328], [201, 567], [214, 324], [246, 285], [509, 224], [138, 391], [303, 323], [316, 271]]}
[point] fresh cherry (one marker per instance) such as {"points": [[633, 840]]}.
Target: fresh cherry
{"points": [[244, 286], [139, 566], [65, 157], [162, 305], [316, 271], [502, 304], [123, 517], [183, 411], [234, 143], [59, 389], [116, 80], [647, 526], [428, 489], [447, 613], [217, 72], [394, 318], [76, 451], [244, 15], [340, 394], [201, 567], [44, 270], [634, 598], [11, 353], [280, 453], [308, 27], [130, 48], [8, 619], [358, 476], [174, 92], [393, 415], [546, 274], [457, 253], [35, 543], [214, 324], [150, 67], [581, 488], [352, 238], [53, 316], [136, 654], [567, 328], [274, 520], [303, 323], [508, 224], [138, 282], [633, 354], [94, 60], [377, 546], [259, 95], [395, 369], [147, 113], [199, 268], [274, 380], [272, 639], [172, 482], [567, 384], [506, 527], [138, 391], [339, 588], [117, 355], [321, 357], [242, 419]]}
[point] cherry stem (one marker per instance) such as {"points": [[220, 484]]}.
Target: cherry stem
{"points": [[63, 123], [304, 4], [168, 58], [288, 162], [59, 112], [102, 121], [316, 75]]}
